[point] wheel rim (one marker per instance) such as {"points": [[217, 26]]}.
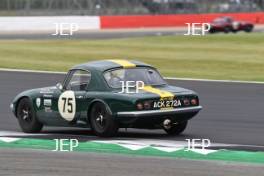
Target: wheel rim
{"points": [[25, 114], [100, 117]]}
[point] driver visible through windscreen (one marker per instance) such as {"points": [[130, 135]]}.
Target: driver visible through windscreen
{"points": [[149, 76]]}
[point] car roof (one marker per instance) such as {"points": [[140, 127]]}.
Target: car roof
{"points": [[226, 17], [104, 65]]}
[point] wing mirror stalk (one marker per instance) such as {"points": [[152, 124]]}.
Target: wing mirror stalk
{"points": [[59, 86]]}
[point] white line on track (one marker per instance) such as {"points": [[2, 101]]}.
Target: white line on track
{"points": [[30, 71], [213, 80], [169, 78], [134, 141]]}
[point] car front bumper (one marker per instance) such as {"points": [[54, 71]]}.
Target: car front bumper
{"points": [[166, 112]]}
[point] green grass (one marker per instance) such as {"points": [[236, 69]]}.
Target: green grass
{"points": [[234, 57]]}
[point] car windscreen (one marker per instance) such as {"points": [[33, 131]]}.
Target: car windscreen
{"points": [[149, 76], [223, 20], [219, 20]]}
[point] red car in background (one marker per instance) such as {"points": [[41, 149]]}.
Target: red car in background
{"points": [[228, 24]]}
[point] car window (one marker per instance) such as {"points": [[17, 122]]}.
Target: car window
{"points": [[228, 19], [149, 76], [219, 20], [79, 80]]}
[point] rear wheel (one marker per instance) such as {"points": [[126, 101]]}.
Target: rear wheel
{"points": [[176, 129], [249, 29], [227, 30], [102, 122], [27, 118]]}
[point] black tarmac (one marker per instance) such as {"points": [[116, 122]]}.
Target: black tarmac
{"points": [[232, 112]]}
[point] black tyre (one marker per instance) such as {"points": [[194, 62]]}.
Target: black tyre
{"points": [[176, 129], [102, 122], [227, 30], [212, 31], [249, 29], [27, 118]]}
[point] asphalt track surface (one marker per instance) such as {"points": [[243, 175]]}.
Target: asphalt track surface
{"points": [[103, 34], [232, 114], [47, 163]]}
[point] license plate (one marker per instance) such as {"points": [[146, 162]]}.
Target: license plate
{"points": [[167, 104]]}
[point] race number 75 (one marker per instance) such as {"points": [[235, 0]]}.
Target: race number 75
{"points": [[67, 104]]}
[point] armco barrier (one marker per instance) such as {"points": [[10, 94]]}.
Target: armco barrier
{"points": [[47, 23], [134, 21]]}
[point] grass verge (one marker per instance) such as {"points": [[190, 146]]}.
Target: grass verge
{"points": [[233, 56]]}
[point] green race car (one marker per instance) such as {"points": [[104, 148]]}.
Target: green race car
{"points": [[105, 96]]}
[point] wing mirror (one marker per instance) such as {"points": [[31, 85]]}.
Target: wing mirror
{"points": [[59, 86]]}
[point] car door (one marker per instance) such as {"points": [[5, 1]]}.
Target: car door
{"points": [[68, 101]]}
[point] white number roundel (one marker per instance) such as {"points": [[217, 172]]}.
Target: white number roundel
{"points": [[67, 105]]}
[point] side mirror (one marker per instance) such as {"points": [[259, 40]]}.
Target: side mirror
{"points": [[59, 86]]}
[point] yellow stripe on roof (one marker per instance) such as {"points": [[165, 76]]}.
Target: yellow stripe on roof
{"points": [[163, 94], [124, 63]]}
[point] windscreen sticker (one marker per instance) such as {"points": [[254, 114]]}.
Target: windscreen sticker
{"points": [[124, 63], [67, 105]]}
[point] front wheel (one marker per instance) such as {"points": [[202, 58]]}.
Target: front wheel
{"points": [[102, 122], [176, 129], [212, 31], [27, 118]]}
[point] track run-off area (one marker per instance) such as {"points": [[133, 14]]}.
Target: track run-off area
{"points": [[232, 120]]}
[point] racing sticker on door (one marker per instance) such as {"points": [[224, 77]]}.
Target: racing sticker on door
{"points": [[67, 105]]}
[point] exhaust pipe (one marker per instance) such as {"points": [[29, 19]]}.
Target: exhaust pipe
{"points": [[167, 124]]}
